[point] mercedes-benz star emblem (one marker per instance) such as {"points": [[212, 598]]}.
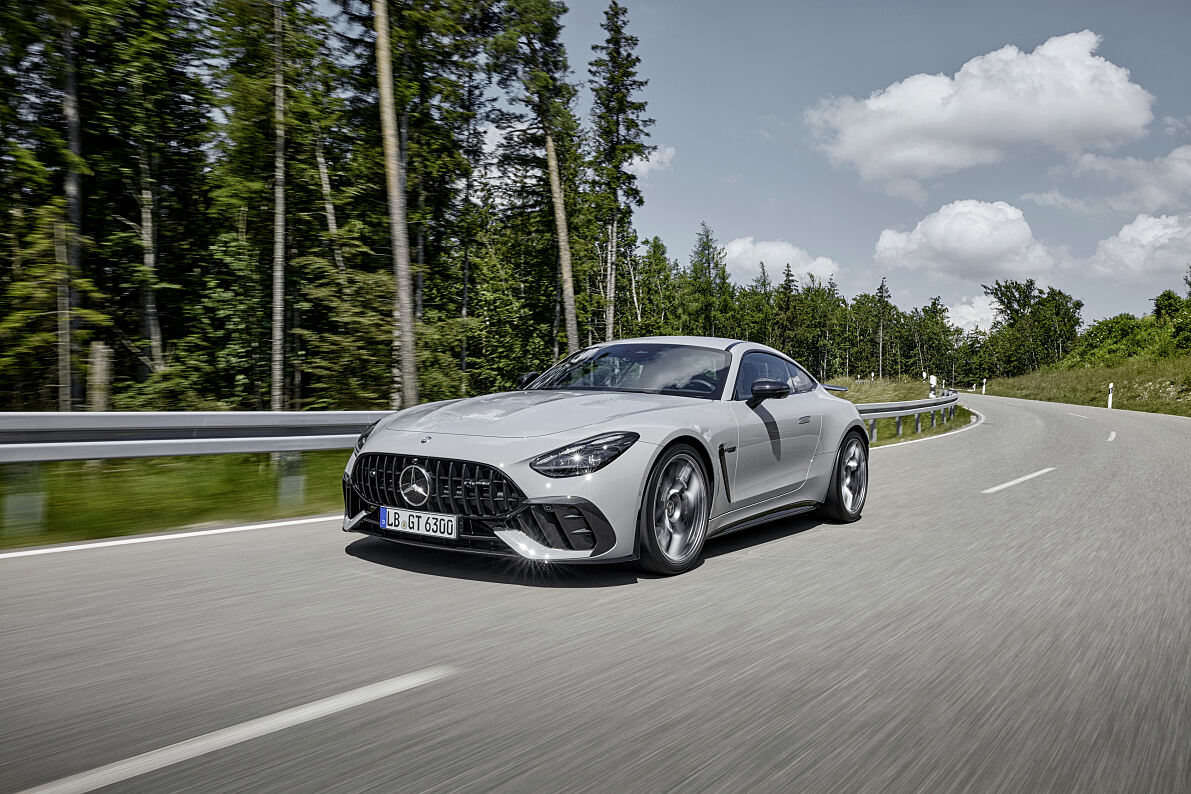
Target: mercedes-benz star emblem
{"points": [[414, 485]]}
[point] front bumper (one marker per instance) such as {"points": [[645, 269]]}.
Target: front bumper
{"points": [[590, 518]]}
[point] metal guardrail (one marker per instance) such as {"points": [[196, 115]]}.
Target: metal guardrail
{"points": [[49, 436], [871, 412]]}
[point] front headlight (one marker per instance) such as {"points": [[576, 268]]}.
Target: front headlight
{"points": [[583, 457], [364, 436]]}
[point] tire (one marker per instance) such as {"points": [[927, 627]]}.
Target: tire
{"points": [[672, 523], [849, 481]]}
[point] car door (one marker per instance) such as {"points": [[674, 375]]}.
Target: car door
{"points": [[778, 437]]}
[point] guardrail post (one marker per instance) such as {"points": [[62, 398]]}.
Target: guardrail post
{"points": [[899, 426], [872, 430], [917, 423], [932, 418], [291, 480], [24, 500]]}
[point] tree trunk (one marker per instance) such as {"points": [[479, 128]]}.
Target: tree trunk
{"points": [[405, 375], [610, 305], [64, 336], [99, 377], [74, 208], [564, 246], [149, 258], [277, 375], [557, 311], [328, 205], [881, 350], [633, 288]]}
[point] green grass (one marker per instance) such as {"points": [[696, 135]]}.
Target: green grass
{"points": [[1158, 386], [889, 390], [101, 499]]}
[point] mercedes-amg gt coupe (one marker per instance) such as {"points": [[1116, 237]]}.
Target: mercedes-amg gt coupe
{"points": [[638, 449]]}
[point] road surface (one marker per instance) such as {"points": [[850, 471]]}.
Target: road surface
{"points": [[978, 630]]}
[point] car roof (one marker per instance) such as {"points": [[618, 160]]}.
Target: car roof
{"points": [[714, 342]]}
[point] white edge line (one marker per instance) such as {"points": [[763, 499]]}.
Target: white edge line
{"points": [[1112, 435], [170, 536], [226, 737], [979, 421], [1019, 480], [1071, 413]]}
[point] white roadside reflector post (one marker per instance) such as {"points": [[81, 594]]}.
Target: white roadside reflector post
{"points": [[983, 385], [1110, 395]]}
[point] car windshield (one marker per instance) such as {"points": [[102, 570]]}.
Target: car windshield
{"points": [[649, 367]]}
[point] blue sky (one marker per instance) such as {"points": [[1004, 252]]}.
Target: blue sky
{"points": [[940, 144]]}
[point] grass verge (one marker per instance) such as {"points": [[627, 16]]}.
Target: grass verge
{"points": [[1159, 386], [81, 500], [899, 390]]}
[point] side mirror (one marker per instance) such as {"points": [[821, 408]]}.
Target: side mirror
{"points": [[767, 388], [526, 379]]}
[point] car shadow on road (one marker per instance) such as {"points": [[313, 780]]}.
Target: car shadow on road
{"points": [[500, 570], [757, 537]]}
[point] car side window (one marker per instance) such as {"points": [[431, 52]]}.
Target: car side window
{"points": [[759, 365], [800, 381]]}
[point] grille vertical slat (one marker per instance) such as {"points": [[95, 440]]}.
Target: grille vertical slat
{"points": [[491, 503], [451, 486]]}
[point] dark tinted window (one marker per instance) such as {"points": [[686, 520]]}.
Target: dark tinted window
{"points": [[760, 365], [800, 380], [651, 367]]}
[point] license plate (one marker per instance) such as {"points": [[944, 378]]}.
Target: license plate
{"points": [[435, 525]]}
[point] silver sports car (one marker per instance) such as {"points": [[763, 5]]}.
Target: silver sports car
{"points": [[635, 449]]}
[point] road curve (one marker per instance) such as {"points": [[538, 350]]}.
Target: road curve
{"points": [[1031, 638]]}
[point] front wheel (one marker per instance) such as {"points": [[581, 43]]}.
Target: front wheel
{"points": [[849, 481], [674, 512]]}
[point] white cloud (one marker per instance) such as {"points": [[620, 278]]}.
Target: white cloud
{"points": [[1060, 96], [970, 313], [1152, 249], [1152, 185], [972, 240], [744, 257], [1176, 127], [1053, 198], [658, 160]]}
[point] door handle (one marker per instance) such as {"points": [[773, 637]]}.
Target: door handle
{"points": [[802, 420]]}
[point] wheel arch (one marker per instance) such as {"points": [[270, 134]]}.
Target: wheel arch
{"points": [[700, 446]]}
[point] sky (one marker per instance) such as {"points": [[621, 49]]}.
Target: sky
{"points": [[940, 144]]}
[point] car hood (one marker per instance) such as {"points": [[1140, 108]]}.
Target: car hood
{"points": [[523, 414]]}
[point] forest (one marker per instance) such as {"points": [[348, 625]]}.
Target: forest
{"points": [[244, 204]]}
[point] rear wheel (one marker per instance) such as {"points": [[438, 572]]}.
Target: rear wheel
{"points": [[674, 511], [849, 481]]}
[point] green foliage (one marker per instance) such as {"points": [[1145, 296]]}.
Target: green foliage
{"points": [[176, 104]]}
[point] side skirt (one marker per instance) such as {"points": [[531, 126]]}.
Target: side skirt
{"points": [[775, 514]]}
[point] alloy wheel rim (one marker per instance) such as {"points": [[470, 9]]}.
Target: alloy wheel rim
{"points": [[854, 482], [679, 514]]}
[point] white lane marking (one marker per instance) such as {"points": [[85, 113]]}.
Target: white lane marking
{"points": [[1081, 416], [1019, 480], [948, 434], [218, 740], [1112, 435], [171, 536]]}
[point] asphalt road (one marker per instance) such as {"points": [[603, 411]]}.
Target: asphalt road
{"points": [[1035, 638]]}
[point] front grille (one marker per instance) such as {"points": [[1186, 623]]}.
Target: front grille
{"points": [[457, 487]]}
